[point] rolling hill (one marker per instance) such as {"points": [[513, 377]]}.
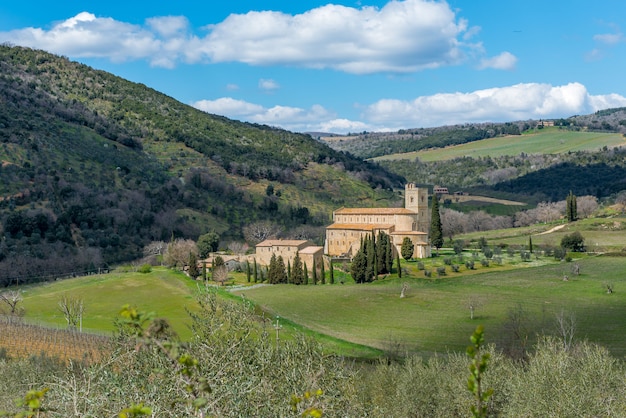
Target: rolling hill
{"points": [[94, 167]]}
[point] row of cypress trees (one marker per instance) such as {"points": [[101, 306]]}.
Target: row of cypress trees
{"points": [[298, 273], [375, 256]]}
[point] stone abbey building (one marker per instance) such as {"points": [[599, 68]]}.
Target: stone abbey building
{"points": [[350, 225]]}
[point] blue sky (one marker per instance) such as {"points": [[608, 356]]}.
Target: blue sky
{"points": [[347, 66]]}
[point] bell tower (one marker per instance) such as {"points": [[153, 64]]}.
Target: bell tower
{"points": [[416, 200]]}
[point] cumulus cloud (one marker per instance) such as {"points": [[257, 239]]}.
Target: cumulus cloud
{"points": [[316, 118], [268, 84], [402, 36], [504, 104], [504, 61], [517, 102]]}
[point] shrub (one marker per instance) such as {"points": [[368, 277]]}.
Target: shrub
{"points": [[145, 268], [455, 268], [573, 242], [484, 262], [427, 273], [420, 265], [447, 261], [441, 271], [469, 264]]}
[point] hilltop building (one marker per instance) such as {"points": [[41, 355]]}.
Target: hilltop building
{"points": [[350, 225]]}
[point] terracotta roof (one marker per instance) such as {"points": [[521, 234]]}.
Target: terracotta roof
{"points": [[281, 243], [360, 227], [374, 211], [408, 233], [311, 250]]}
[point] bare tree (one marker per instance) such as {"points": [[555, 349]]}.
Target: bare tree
{"points": [[72, 309], [12, 299], [220, 274], [177, 252], [405, 287], [260, 231], [565, 323], [474, 302], [238, 247], [586, 205]]}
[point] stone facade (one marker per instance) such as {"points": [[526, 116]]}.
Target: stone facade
{"points": [[308, 251], [350, 225]]}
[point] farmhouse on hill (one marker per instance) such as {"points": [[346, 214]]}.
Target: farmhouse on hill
{"points": [[350, 225]]}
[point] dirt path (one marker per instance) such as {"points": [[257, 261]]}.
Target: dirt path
{"points": [[549, 231]]}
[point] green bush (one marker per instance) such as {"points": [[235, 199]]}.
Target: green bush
{"points": [[145, 268]]}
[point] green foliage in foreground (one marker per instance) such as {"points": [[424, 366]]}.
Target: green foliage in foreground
{"points": [[252, 374]]}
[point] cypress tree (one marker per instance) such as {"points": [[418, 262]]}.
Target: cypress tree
{"points": [[314, 272], [571, 210], [370, 255], [247, 270], [399, 267], [436, 230], [323, 273], [193, 266], [358, 269], [305, 280], [331, 272], [255, 273], [272, 271], [407, 248], [530, 244], [289, 272], [280, 274], [297, 274]]}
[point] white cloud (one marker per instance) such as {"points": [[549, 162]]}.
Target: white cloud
{"points": [[609, 38], [517, 102], [402, 36], [503, 104], [268, 84], [504, 61], [314, 119]]}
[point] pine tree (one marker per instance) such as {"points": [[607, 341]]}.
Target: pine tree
{"points": [[297, 273], [407, 248], [323, 273], [436, 230]]}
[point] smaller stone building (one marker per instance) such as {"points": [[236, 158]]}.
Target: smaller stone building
{"points": [[308, 251]]}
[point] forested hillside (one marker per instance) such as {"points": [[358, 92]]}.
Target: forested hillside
{"points": [[95, 167]]}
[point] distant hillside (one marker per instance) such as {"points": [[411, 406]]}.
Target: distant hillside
{"points": [[94, 167], [378, 144]]}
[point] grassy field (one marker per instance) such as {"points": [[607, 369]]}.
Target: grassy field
{"points": [[434, 317], [546, 141], [601, 234], [164, 292]]}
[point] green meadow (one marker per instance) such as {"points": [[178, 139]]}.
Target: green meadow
{"points": [[546, 141], [434, 315], [164, 292]]}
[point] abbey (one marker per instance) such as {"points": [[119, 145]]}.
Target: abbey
{"points": [[350, 225]]}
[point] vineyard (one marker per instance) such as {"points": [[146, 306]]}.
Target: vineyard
{"points": [[19, 340]]}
